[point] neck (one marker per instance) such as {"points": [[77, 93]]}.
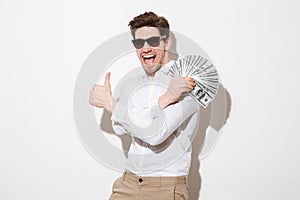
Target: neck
{"points": [[166, 58]]}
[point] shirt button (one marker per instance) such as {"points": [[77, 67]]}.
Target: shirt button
{"points": [[140, 180]]}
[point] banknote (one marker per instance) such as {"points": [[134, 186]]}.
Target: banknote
{"points": [[203, 72]]}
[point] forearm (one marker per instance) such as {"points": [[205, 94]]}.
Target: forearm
{"points": [[163, 121], [165, 100], [170, 119]]}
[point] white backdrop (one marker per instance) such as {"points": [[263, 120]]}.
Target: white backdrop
{"points": [[254, 44]]}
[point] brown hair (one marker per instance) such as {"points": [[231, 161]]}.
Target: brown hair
{"points": [[152, 20]]}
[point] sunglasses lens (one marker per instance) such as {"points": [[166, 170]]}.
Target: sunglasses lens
{"points": [[153, 41], [138, 43]]}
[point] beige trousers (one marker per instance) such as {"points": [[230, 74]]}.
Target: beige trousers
{"points": [[132, 187]]}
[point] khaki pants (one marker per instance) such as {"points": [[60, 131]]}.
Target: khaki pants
{"points": [[132, 187]]}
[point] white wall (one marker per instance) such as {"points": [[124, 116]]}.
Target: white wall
{"points": [[254, 44]]}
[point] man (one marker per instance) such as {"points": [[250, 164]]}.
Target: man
{"points": [[154, 108]]}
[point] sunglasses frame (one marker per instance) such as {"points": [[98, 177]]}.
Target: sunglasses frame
{"points": [[148, 40]]}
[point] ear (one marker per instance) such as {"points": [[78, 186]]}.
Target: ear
{"points": [[168, 43]]}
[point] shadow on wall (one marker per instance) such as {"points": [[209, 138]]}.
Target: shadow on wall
{"points": [[214, 117]]}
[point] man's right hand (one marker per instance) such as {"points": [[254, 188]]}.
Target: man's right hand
{"points": [[177, 87], [101, 95]]}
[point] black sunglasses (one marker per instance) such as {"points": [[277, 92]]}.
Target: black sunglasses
{"points": [[152, 41]]}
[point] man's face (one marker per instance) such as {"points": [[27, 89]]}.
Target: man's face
{"points": [[151, 58]]}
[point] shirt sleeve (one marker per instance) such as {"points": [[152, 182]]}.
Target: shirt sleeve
{"points": [[163, 122], [119, 125]]}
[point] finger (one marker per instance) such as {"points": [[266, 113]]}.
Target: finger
{"points": [[183, 85], [188, 87], [91, 99], [107, 80], [190, 79], [192, 83], [94, 87], [191, 87]]}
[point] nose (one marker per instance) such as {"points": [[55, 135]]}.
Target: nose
{"points": [[146, 48]]}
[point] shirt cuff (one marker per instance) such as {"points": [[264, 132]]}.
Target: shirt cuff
{"points": [[155, 110], [119, 113]]}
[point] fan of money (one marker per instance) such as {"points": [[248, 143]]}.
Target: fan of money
{"points": [[204, 73]]}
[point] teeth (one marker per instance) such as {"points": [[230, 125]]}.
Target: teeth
{"points": [[148, 56]]}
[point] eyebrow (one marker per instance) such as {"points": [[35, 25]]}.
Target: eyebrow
{"points": [[149, 37]]}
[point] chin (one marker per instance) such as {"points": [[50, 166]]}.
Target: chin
{"points": [[151, 69]]}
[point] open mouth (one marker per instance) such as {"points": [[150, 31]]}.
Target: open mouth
{"points": [[149, 59]]}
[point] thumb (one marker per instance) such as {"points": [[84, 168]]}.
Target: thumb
{"points": [[107, 80]]}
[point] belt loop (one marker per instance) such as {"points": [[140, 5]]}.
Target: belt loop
{"points": [[187, 181], [123, 176]]}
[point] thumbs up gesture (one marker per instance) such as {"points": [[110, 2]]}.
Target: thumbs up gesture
{"points": [[101, 96]]}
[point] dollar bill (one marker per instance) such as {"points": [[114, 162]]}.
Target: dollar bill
{"points": [[203, 72]]}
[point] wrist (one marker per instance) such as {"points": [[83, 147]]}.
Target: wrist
{"points": [[164, 100], [109, 104]]}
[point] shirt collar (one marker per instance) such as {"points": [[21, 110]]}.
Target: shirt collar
{"points": [[166, 67]]}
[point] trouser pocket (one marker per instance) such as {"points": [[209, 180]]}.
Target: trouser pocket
{"points": [[181, 193]]}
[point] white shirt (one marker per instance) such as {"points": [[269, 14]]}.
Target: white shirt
{"points": [[161, 144]]}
